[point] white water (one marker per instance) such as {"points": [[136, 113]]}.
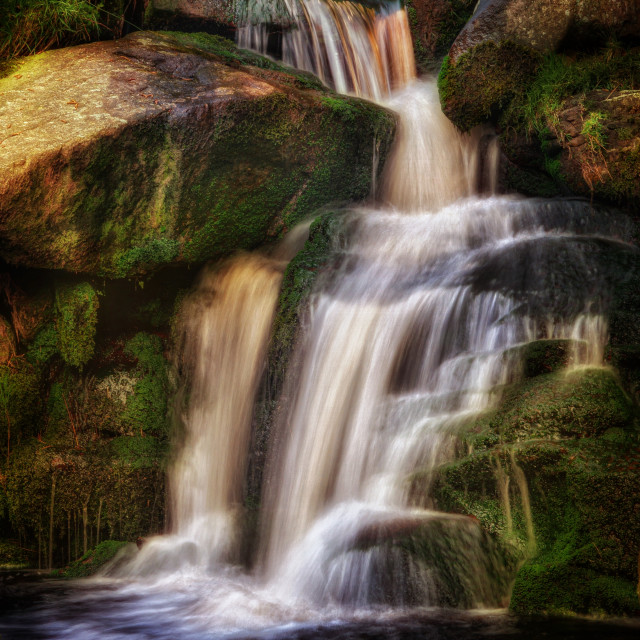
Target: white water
{"points": [[412, 339], [399, 353]]}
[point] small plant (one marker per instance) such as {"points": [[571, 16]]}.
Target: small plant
{"points": [[594, 169], [594, 132]]}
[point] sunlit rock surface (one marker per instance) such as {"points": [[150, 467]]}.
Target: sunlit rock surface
{"points": [[543, 25], [163, 148]]}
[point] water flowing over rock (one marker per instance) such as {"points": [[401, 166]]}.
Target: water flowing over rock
{"points": [[160, 149]]}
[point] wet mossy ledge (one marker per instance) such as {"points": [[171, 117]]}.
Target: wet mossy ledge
{"points": [[552, 476], [169, 148]]}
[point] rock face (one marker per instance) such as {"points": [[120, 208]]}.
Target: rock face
{"points": [[160, 149], [218, 10], [434, 26], [544, 25], [552, 475], [560, 80]]}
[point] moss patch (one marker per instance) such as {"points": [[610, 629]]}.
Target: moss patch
{"points": [[483, 81], [92, 561], [578, 403], [76, 308]]}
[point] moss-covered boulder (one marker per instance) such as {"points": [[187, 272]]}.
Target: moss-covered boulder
{"points": [[560, 80], [162, 148], [553, 475]]}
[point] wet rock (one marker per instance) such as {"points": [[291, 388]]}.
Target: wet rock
{"points": [[221, 11], [435, 24], [169, 149]]}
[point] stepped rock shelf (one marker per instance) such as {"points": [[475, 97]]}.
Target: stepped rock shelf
{"points": [[118, 157]]}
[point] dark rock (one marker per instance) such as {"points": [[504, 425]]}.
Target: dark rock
{"points": [[434, 25]]}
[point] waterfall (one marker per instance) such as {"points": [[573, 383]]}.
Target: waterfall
{"points": [[410, 343], [434, 294], [349, 46]]}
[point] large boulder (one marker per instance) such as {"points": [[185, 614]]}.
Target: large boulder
{"points": [[544, 25], [552, 477], [118, 157], [499, 49], [560, 81]]}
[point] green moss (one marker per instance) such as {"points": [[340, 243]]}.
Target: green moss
{"points": [[561, 588], [76, 307], [44, 346], [577, 403], [546, 356], [20, 404], [146, 409], [484, 81], [139, 452], [239, 201], [92, 561], [155, 252], [570, 476], [559, 77]]}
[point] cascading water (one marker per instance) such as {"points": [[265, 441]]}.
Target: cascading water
{"points": [[406, 346], [420, 327]]}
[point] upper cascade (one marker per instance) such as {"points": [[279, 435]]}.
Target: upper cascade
{"points": [[349, 46]]}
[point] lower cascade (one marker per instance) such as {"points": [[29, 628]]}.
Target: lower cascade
{"points": [[435, 288]]}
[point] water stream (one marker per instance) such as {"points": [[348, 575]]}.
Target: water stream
{"points": [[414, 336]]}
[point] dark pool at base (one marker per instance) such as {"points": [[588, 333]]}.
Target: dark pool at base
{"points": [[38, 609]]}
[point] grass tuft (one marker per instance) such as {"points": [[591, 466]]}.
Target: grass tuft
{"points": [[32, 26]]}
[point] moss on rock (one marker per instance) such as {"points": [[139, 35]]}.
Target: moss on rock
{"points": [[552, 475], [576, 403], [76, 318], [200, 150], [482, 82], [92, 561]]}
